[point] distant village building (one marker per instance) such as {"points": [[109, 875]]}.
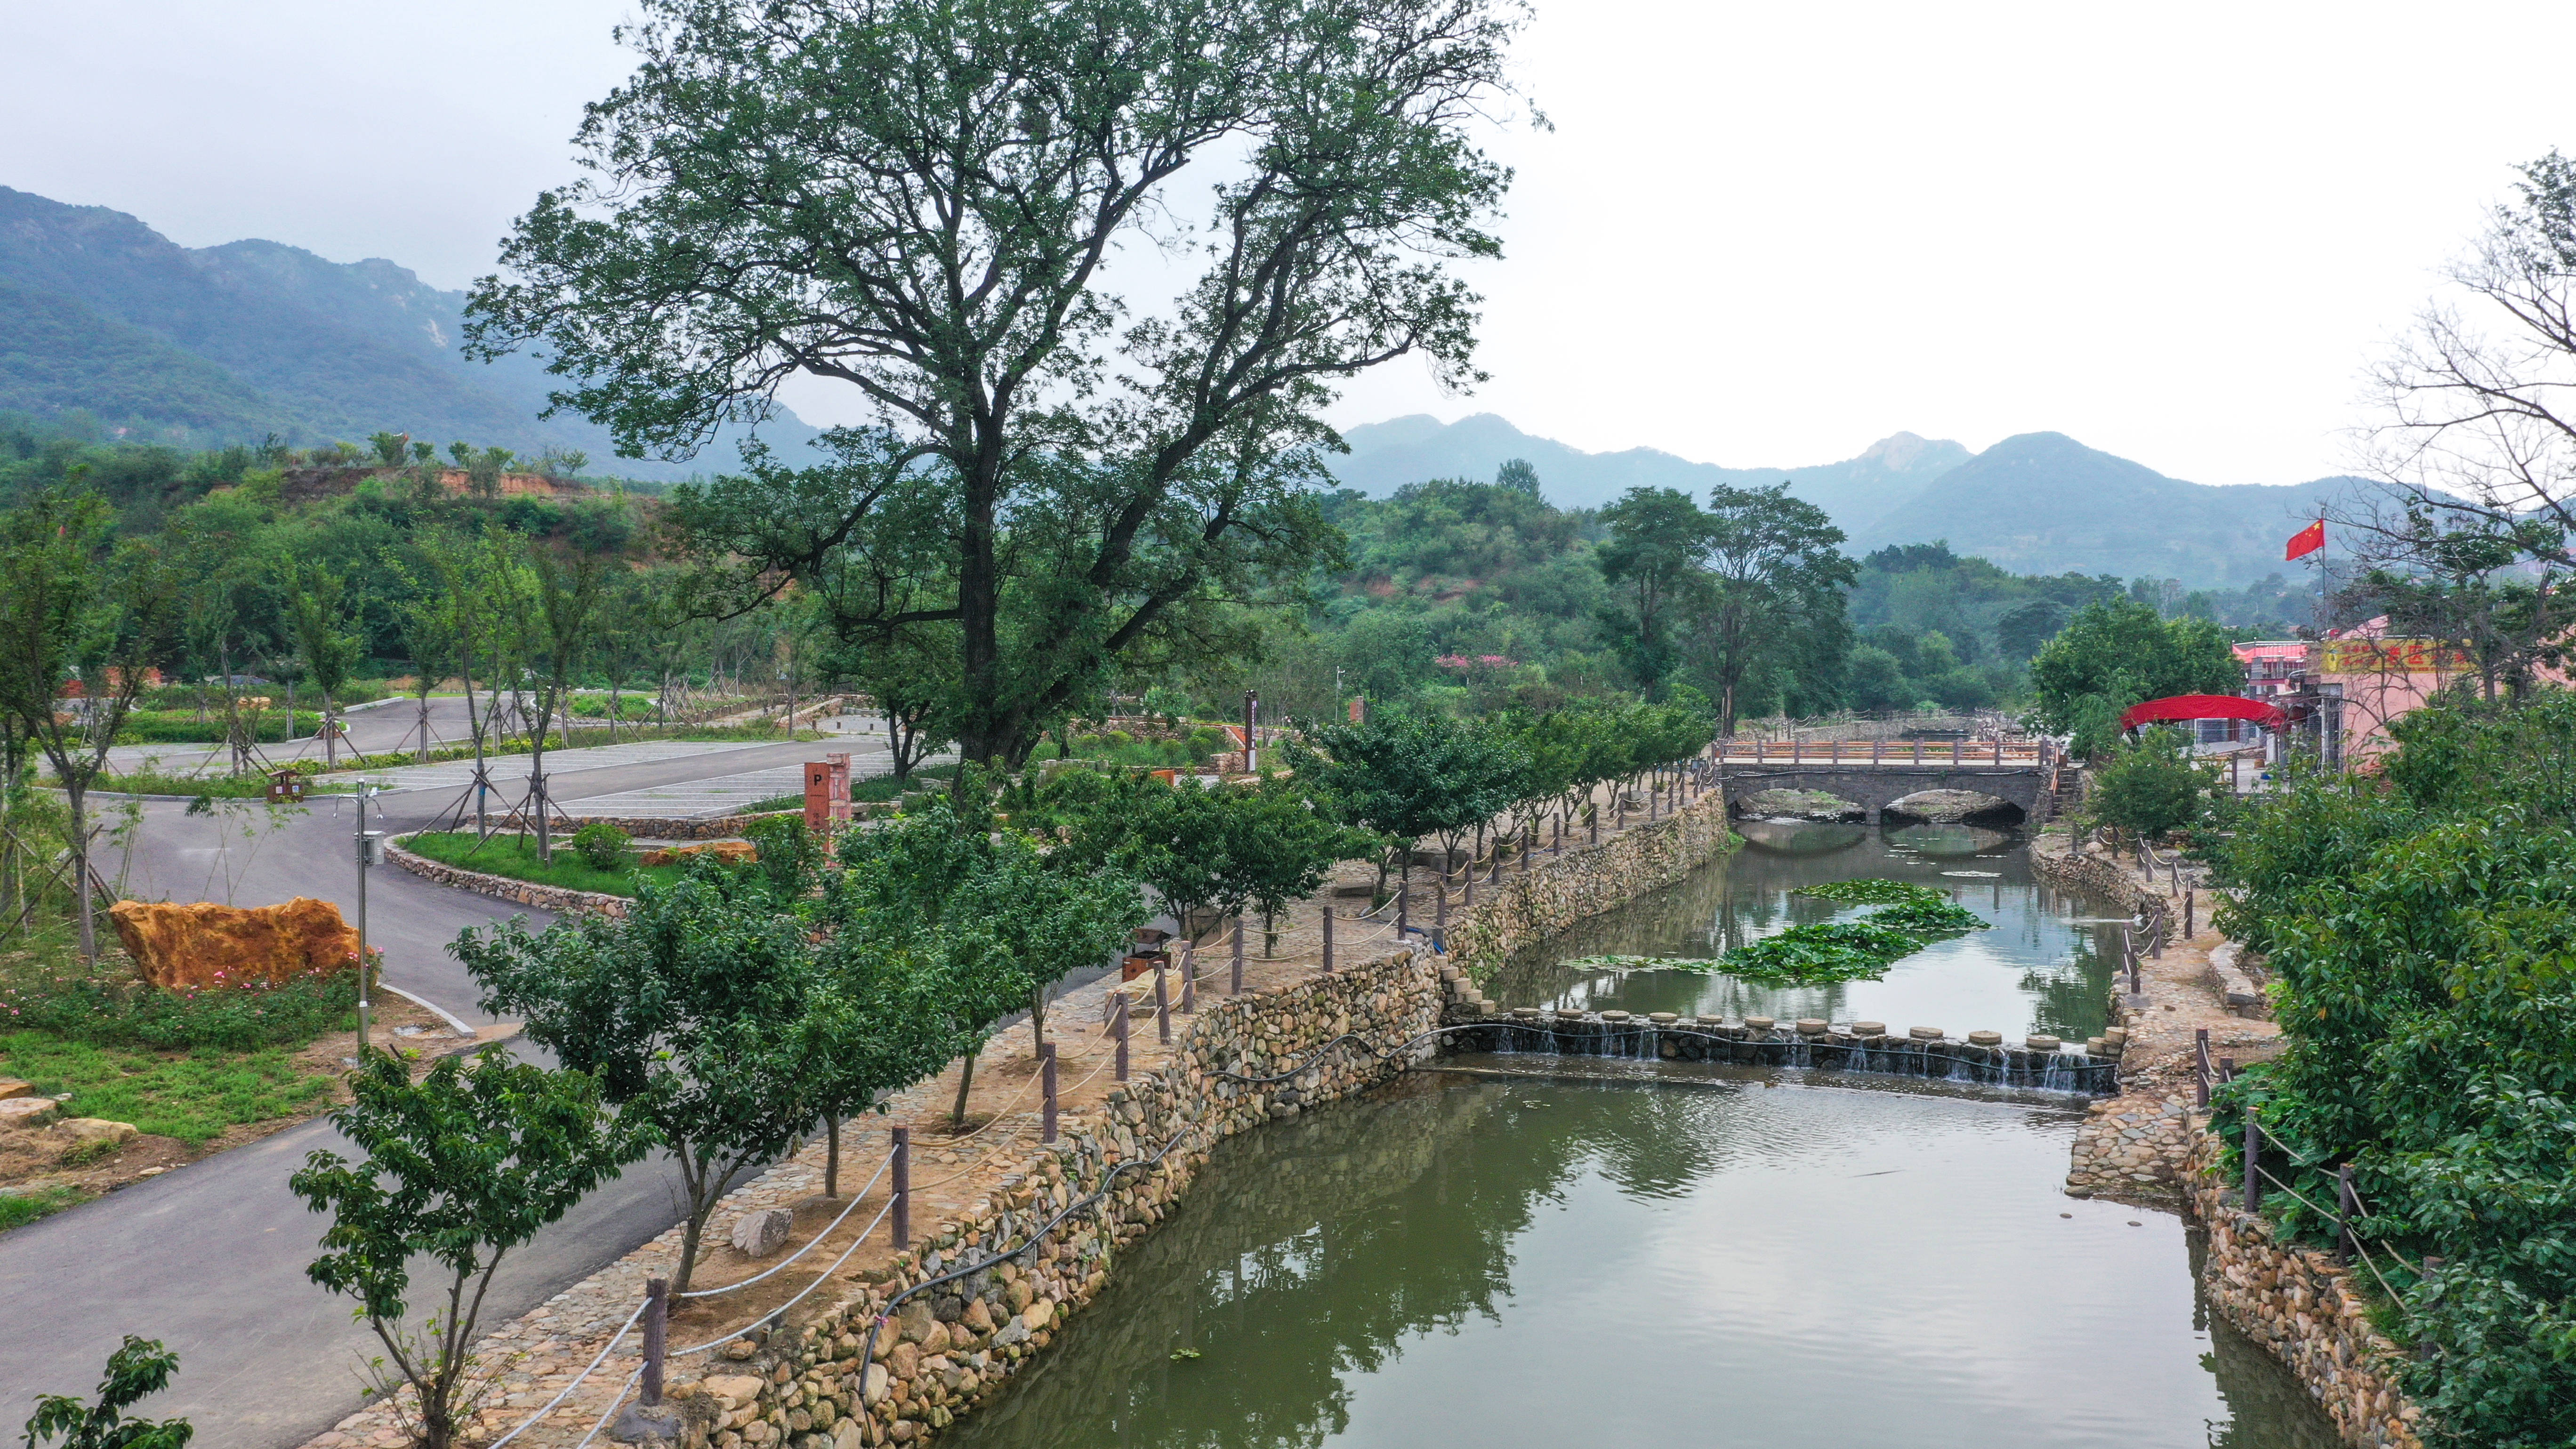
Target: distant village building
{"points": [[2342, 692]]}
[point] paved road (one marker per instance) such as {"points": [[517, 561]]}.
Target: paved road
{"points": [[210, 1259]]}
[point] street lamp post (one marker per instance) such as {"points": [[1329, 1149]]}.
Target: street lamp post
{"points": [[371, 850]]}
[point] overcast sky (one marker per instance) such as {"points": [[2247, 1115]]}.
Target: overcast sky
{"points": [[1759, 234]]}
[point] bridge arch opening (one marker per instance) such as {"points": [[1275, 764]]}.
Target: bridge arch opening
{"points": [[1951, 807]]}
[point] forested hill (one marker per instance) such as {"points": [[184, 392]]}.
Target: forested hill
{"points": [[1386, 456], [2045, 503], [2038, 503], [103, 315]]}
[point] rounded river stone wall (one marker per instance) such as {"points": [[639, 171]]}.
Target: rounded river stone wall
{"points": [[818, 1384]]}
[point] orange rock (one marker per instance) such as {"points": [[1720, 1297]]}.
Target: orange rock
{"points": [[210, 945], [729, 851]]}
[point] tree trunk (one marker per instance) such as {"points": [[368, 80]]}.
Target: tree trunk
{"points": [[537, 781], [832, 1156], [965, 1082], [330, 736], [1037, 1013], [422, 757], [78, 792]]}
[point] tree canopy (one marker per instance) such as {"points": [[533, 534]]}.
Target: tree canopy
{"points": [[919, 201], [2118, 652]]}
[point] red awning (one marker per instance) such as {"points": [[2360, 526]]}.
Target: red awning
{"points": [[2203, 706]]}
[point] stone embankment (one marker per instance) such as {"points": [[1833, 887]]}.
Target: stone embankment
{"points": [[557, 899], [2304, 1306], [1539, 897], [2151, 1144]]}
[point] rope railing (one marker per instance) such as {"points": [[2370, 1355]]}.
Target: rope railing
{"points": [[566, 1392], [819, 1280], [816, 1241]]}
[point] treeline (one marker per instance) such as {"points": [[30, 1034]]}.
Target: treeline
{"points": [[1465, 597], [1452, 596]]}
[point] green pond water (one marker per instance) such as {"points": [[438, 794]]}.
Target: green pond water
{"points": [[1521, 1251], [2041, 968], [1743, 1259]]}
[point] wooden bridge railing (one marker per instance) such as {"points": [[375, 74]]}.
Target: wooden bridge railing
{"points": [[2031, 754]]}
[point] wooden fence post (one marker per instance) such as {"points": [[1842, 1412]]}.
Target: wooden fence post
{"points": [[1046, 1075], [902, 1188]]}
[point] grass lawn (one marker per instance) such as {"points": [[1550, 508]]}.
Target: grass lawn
{"points": [[516, 857], [19, 1207], [190, 1095]]}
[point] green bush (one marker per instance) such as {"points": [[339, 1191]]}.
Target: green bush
{"points": [[2155, 787], [603, 846], [2422, 927]]}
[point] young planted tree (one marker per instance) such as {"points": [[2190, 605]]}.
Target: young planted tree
{"points": [[486, 596], [1006, 921], [75, 608], [571, 576], [316, 603], [703, 1012], [1406, 776], [759, 210], [460, 1168], [138, 1367]]}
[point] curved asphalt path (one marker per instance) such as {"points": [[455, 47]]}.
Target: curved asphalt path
{"points": [[210, 1258]]}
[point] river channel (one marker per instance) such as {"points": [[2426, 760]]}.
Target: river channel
{"points": [[1531, 1251], [2042, 966]]}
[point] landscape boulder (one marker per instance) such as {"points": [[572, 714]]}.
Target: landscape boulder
{"points": [[759, 1233], [85, 1130], [206, 944], [26, 1112]]}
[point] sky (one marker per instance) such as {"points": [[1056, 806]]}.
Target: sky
{"points": [[1756, 235]]}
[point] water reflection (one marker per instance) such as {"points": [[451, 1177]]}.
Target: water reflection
{"points": [[2038, 969], [1533, 1263]]}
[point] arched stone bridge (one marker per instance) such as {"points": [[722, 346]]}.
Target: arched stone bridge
{"points": [[1874, 774]]}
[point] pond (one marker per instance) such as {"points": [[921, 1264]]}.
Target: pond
{"points": [[1742, 1257], [2039, 969]]}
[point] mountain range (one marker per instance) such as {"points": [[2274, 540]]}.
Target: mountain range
{"points": [[232, 343], [2033, 503], [221, 344]]}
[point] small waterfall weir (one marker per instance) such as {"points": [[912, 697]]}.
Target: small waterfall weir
{"points": [[1983, 1059]]}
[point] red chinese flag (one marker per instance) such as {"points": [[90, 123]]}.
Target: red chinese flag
{"points": [[2307, 540]]}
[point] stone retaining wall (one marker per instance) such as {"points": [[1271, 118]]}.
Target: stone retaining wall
{"points": [[2077, 871], [813, 1384], [1526, 909], [527, 893], [2301, 1305]]}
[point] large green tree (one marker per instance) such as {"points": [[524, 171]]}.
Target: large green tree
{"points": [[2117, 652], [1653, 553], [1772, 581], [920, 200]]}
